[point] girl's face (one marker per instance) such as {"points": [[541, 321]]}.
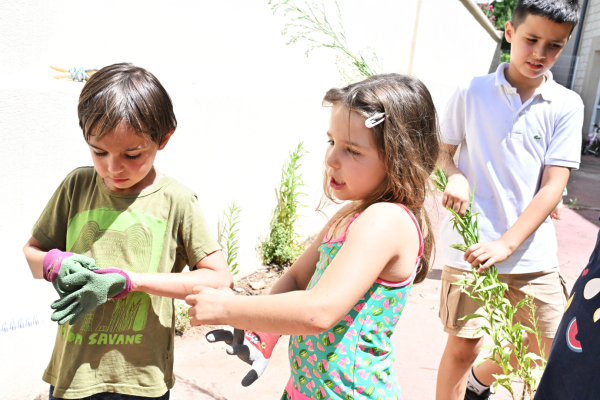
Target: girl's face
{"points": [[124, 159], [352, 161]]}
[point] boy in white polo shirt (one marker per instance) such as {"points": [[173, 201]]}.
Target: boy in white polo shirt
{"points": [[520, 135]]}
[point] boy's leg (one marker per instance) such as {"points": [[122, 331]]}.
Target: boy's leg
{"points": [[459, 355], [461, 348], [550, 297]]}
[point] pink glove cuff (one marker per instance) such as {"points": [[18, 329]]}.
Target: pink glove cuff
{"points": [[264, 342], [52, 263], [128, 285]]}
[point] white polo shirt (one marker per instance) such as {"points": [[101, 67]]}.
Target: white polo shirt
{"points": [[505, 146]]}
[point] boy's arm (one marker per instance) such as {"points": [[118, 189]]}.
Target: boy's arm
{"points": [[35, 253], [554, 180], [456, 196], [211, 271]]}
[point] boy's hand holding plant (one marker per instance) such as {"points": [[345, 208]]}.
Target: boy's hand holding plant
{"points": [[487, 290]]}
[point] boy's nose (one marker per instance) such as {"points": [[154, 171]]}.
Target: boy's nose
{"points": [[114, 165]]}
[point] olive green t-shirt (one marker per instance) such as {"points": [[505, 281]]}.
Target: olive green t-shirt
{"points": [[125, 345]]}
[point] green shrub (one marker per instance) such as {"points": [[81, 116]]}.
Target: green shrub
{"points": [[281, 247]]}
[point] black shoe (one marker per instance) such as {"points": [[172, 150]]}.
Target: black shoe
{"points": [[470, 395]]}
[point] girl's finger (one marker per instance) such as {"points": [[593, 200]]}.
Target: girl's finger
{"points": [[191, 300]]}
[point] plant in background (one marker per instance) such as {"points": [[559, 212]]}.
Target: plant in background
{"points": [[182, 319], [310, 23], [227, 235], [282, 247], [486, 289], [488, 10]]}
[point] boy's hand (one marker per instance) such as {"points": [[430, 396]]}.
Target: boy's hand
{"points": [[254, 348], [207, 305], [457, 196], [557, 212], [82, 290], [488, 252]]}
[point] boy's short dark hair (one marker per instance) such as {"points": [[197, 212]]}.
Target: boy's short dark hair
{"points": [[559, 11], [125, 93]]}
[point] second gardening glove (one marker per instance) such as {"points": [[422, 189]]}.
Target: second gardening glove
{"points": [[255, 348], [81, 285]]}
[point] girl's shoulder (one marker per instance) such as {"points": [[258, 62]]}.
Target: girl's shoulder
{"points": [[387, 219]]}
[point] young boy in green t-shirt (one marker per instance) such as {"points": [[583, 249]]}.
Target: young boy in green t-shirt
{"points": [[117, 232]]}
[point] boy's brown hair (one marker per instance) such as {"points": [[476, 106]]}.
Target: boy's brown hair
{"points": [[407, 141], [124, 93]]}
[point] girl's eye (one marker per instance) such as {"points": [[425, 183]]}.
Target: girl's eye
{"points": [[100, 154], [132, 157], [532, 40], [330, 142], [354, 153]]}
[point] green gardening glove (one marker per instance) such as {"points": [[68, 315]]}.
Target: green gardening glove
{"points": [[82, 290]]}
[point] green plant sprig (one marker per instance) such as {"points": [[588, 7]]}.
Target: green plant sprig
{"points": [[227, 235], [312, 25], [487, 290]]}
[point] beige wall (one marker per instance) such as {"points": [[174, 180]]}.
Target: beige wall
{"points": [[588, 70]]}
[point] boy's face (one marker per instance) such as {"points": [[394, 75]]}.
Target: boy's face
{"points": [[536, 44], [124, 159]]}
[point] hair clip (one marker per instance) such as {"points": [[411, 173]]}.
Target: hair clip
{"points": [[376, 119], [78, 74]]}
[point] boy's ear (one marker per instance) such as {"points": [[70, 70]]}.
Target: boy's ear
{"points": [[509, 30], [166, 139]]}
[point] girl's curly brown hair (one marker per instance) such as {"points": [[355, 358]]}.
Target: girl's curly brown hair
{"points": [[407, 141]]}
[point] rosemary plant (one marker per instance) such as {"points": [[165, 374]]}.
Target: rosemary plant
{"points": [[310, 23], [227, 235], [486, 289], [282, 247]]}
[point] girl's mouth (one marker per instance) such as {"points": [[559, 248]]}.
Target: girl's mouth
{"points": [[535, 66], [335, 184]]}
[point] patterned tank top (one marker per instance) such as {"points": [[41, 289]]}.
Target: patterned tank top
{"points": [[352, 360]]}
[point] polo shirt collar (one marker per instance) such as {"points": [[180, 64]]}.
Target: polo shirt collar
{"points": [[547, 91]]}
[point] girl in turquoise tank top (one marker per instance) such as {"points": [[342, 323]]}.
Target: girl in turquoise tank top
{"points": [[341, 300]]}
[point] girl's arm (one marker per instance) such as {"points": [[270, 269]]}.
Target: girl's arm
{"points": [[211, 271], [371, 246], [299, 275]]}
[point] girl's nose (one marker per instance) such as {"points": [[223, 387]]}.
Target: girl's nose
{"points": [[331, 159]]}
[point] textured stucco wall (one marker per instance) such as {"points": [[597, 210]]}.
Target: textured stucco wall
{"points": [[243, 99]]}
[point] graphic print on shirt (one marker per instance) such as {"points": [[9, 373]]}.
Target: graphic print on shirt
{"points": [[352, 360], [130, 240]]}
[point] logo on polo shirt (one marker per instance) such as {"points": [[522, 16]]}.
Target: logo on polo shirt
{"points": [[537, 137]]}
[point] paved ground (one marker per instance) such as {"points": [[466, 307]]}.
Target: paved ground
{"points": [[204, 371]]}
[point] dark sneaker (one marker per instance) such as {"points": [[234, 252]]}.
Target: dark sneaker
{"points": [[470, 395]]}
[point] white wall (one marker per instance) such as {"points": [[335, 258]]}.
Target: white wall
{"points": [[243, 100]]}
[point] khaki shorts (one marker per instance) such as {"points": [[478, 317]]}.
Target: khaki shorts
{"points": [[547, 288]]}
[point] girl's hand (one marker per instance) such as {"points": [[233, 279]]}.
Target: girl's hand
{"points": [[488, 252], [208, 305], [457, 195]]}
